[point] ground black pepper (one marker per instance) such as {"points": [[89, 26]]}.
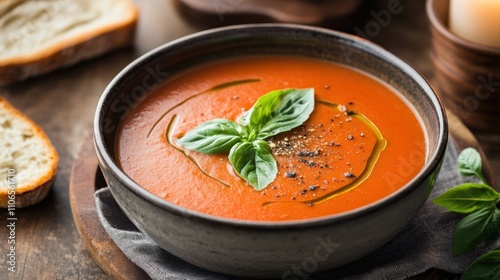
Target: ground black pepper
{"points": [[349, 175], [309, 149]]}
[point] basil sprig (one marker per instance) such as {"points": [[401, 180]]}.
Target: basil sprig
{"points": [[468, 198], [275, 112], [474, 228], [479, 201], [470, 164]]}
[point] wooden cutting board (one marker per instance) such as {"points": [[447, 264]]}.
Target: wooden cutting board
{"points": [[86, 178]]}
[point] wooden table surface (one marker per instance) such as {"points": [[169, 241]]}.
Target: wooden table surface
{"points": [[63, 103]]}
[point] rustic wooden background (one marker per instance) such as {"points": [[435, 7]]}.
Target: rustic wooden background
{"points": [[63, 103]]}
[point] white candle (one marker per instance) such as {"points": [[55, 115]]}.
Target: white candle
{"points": [[476, 20]]}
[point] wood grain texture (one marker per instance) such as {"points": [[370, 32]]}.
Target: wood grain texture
{"points": [[466, 73], [63, 103], [84, 182]]}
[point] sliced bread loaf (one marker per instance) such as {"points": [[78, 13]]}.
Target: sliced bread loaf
{"points": [[40, 36], [28, 161]]}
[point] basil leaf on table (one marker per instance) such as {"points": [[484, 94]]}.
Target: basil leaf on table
{"points": [[486, 267], [275, 112], [279, 111], [471, 230], [469, 164], [254, 163], [479, 201], [213, 137], [467, 198]]}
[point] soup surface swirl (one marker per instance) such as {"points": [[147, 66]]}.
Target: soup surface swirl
{"points": [[361, 143]]}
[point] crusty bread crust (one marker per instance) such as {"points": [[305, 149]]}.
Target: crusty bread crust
{"points": [[72, 50], [29, 197], [30, 194]]}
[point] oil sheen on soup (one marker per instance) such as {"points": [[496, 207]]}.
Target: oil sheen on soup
{"points": [[361, 143]]}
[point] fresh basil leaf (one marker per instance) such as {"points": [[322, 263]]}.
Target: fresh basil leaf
{"points": [[467, 198], [486, 267], [214, 136], [470, 164], [264, 105], [254, 163], [495, 224], [471, 230], [279, 111]]}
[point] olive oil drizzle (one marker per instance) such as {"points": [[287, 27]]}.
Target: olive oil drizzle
{"points": [[233, 83], [217, 87], [380, 145], [170, 127], [168, 138]]}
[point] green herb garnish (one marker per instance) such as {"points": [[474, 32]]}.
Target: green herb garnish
{"points": [[477, 200], [476, 227], [470, 164], [277, 111], [486, 267], [468, 198]]}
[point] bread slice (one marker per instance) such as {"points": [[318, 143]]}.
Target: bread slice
{"points": [[40, 36], [27, 157]]}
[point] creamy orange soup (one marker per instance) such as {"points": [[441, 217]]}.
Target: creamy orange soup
{"points": [[361, 143]]}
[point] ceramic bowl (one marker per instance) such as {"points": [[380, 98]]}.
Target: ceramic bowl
{"points": [[267, 249]]}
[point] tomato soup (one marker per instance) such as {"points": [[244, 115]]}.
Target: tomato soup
{"points": [[361, 143]]}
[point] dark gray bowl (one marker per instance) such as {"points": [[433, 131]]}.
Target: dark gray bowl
{"points": [[267, 249]]}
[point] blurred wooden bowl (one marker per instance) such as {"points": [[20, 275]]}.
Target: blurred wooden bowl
{"points": [[337, 14], [467, 74]]}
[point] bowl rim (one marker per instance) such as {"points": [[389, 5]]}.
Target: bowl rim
{"points": [[430, 166], [443, 29]]}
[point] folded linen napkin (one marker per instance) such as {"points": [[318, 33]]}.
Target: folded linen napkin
{"points": [[424, 244]]}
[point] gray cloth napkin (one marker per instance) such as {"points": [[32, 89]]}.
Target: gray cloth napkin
{"points": [[425, 243]]}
